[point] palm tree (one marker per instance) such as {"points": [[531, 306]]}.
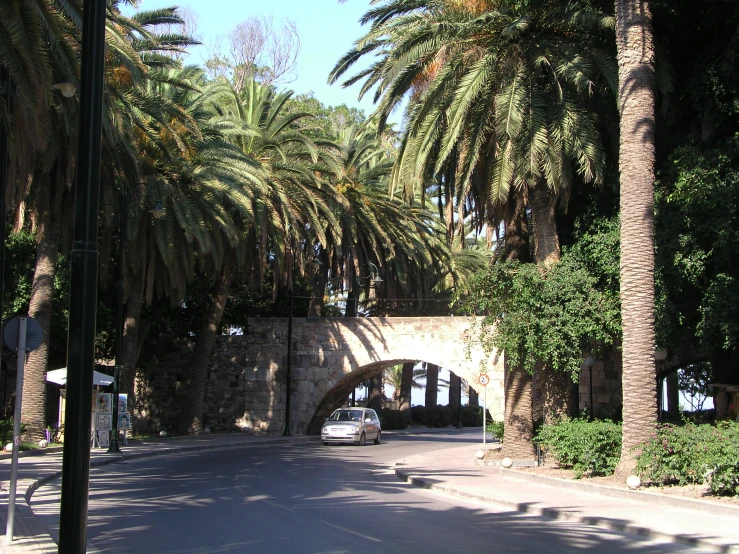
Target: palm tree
{"points": [[636, 164], [283, 200], [130, 42], [505, 105]]}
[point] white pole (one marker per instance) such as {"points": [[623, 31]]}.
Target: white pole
{"points": [[484, 411], [16, 428]]}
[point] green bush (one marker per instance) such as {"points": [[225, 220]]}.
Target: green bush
{"points": [[690, 453], [472, 416], [433, 416], [6, 431], [495, 428], [392, 420], [591, 447]]}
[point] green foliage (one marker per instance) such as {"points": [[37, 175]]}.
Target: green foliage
{"points": [[472, 416], [552, 315], [693, 454], [433, 416], [591, 447], [698, 239], [392, 420], [496, 428], [6, 431]]}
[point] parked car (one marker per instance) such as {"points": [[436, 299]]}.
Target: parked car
{"points": [[355, 425]]}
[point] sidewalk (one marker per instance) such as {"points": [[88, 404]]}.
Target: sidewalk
{"points": [[455, 472], [39, 467]]}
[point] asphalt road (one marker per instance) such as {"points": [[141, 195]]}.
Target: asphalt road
{"points": [[307, 498]]}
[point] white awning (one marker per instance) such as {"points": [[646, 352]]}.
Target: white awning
{"points": [[59, 376]]}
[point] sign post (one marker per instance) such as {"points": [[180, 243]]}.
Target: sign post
{"points": [[22, 334], [484, 380]]}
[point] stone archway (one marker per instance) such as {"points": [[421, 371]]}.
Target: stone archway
{"points": [[330, 357]]}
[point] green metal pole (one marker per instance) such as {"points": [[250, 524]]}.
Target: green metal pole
{"points": [[83, 287], [114, 448], [5, 81]]}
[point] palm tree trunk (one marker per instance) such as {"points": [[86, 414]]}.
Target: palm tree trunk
{"points": [[201, 355], [635, 54], [40, 308], [406, 386], [552, 394], [432, 384], [516, 231], [455, 387], [546, 239], [518, 417], [130, 341], [558, 400], [318, 285], [519, 428], [374, 400]]}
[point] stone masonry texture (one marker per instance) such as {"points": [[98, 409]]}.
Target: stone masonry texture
{"points": [[246, 387]]}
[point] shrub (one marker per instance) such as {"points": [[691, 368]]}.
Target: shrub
{"points": [[693, 453], [495, 428], [433, 416], [392, 420], [591, 447], [472, 416], [6, 431]]}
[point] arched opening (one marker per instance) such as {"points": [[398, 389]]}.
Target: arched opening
{"points": [[337, 396]]}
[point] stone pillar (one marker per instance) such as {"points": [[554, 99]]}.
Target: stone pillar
{"points": [[374, 400], [474, 398], [432, 384], [673, 394], [455, 386]]}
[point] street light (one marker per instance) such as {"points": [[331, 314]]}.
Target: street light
{"points": [[589, 363], [123, 216], [83, 286], [5, 83], [157, 211], [66, 87]]}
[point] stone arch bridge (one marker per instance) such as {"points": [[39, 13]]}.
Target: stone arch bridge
{"points": [[330, 357]]}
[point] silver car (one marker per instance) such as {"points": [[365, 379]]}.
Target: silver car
{"points": [[355, 425]]}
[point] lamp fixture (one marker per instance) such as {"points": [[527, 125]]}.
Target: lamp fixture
{"points": [[66, 87], [376, 279], [157, 211]]}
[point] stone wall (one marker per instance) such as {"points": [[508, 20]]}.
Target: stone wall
{"points": [[607, 401], [330, 356]]}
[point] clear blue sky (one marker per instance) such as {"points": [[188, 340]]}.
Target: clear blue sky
{"points": [[327, 30]]}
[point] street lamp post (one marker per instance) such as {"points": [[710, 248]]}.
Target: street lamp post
{"points": [[589, 363], [5, 81], [123, 216], [83, 286]]}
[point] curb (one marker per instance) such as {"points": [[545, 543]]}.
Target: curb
{"points": [[554, 513], [638, 496]]}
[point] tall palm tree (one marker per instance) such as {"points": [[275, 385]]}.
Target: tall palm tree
{"points": [[636, 164], [51, 161], [282, 201], [505, 104]]}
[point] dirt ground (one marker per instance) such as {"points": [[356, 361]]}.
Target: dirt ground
{"points": [[695, 492]]}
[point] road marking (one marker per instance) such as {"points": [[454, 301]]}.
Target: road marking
{"points": [[350, 531], [278, 506]]}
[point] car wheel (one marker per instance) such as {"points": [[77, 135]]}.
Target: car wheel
{"points": [[362, 439], [377, 438], [325, 443]]}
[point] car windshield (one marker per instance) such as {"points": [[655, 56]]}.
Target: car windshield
{"points": [[346, 415]]}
